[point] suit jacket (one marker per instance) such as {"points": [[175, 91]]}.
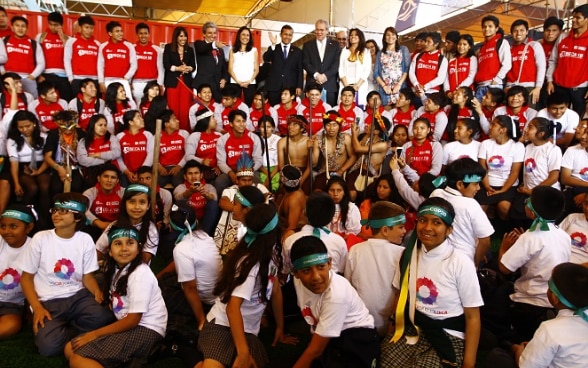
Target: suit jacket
{"points": [[284, 72], [209, 70], [173, 58], [311, 62]]}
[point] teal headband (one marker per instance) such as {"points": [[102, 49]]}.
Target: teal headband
{"points": [[582, 312], [187, 228], [137, 188], [241, 199], [472, 178], [123, 233], [251, 235], [380, 223], [71, 205], [539, 221], [310, 260], [18, 215], [438, 181], [437, 211]]}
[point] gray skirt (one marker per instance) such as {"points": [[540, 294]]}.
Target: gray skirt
{"points": [[216, 342], [116, 349]]}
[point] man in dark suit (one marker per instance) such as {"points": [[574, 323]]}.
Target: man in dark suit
{"points": [[320, 59], [286, 69], [210, 61]]}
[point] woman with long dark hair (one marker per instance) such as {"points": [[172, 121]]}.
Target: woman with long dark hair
{"points": [[347, 217], [391, 68], [116, 104], [179, 62], [355, 65], [244, 64]]}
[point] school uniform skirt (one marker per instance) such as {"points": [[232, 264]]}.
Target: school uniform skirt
{"points": [[113, 350], [216, 342]]}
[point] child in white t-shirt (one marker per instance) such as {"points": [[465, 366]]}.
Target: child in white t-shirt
{"points": [[565, 119], [197, 263], [248, 281], [134, 297], [561, 341], [535, 252], [15, 224], [373, 266], [502, 157], [574, 171], [58, 278], [343, 333], [576, 224], [471, 227], [464, 144]]}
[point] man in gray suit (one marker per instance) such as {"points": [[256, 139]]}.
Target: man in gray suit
{"points": [[320, 59]]}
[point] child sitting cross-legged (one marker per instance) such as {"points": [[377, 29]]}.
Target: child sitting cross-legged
{"points": [[343, 333]]}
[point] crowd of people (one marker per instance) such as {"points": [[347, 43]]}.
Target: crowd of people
{"points": [[359, 185]]}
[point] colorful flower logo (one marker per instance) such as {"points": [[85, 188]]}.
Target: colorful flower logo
{"points": [[530, 165], [117, 303], [496, 162], [61, 265], [578, 239], [426, 291], [584, 174], [9, 279]]}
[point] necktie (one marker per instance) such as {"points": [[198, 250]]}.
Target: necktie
{"points": [[215, 55], [285, 52]]}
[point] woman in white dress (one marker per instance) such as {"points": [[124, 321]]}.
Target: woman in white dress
{"points": [[355, 65], [243, 64]]}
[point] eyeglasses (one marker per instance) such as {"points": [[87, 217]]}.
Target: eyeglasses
{"points": [[61, 211]]}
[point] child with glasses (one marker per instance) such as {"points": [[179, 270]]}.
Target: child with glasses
{"points": [[57, 278]]}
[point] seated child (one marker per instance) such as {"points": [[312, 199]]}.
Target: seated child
{"points": [[58, 278], [536, 252], [320, 210], [15, 224], [576, 224], [559, 342], [372, 266], [446, 305], [135, 299], [471, 227], [343, 333]]}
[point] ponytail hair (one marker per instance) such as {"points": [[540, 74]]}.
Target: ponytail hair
{"points": [[547, 128], [511, 125]]}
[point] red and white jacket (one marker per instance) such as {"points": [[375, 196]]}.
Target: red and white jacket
{"points": [[171, 148], [493, 63], [567, 63], [528, 65], [44, 112], [136, 150], [53, 50], [116, 60], [149, 63], [22, 57], [428, 69], [80, 57], [283, 113], [316, 123]]}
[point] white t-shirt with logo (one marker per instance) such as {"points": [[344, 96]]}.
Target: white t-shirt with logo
{"points": [[536, 253], [10, 273], [576, 159], [576, 225], [143, 296], [455, 150], [446, 284], [499, 159], [197, 258], [252, 307], [336, 309], [59, 264], [539, 162]]}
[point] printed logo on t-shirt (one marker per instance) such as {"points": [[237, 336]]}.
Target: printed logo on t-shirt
{"points": [[530, 165], [578, 239], [496, 162], [426, 291], [309, 317], [584, 174], [9, 279], [117, 303], [271, 278], [463, 156], [64, 268]]}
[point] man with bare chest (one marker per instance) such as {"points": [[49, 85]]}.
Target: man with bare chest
{"points": [[332, 151], [293, 149]]}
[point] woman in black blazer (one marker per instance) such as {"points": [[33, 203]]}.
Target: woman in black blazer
{"points": [[179, 63]]}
